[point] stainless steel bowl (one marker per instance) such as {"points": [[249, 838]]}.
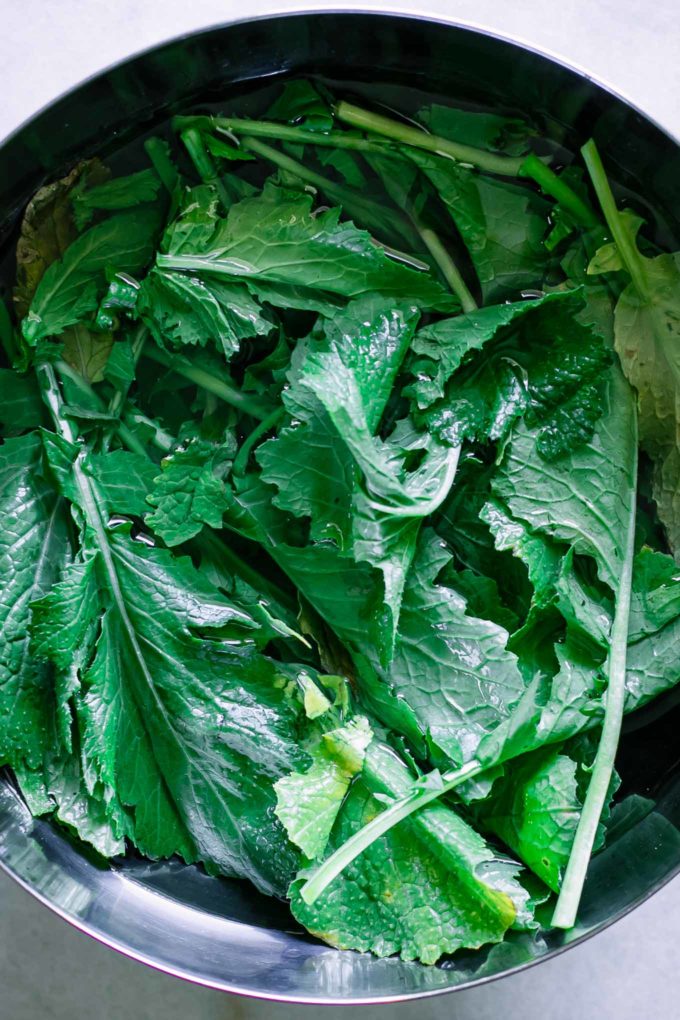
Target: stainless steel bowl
{"points": [[222, 933]]}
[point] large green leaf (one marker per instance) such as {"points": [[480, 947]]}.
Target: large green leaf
{"points": [[426, 888], [583, 497], [540, 362], [274, 238], [452, 670], [184, 723]]}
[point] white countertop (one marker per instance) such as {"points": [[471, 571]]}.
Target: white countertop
{"points": [[46, 968]]}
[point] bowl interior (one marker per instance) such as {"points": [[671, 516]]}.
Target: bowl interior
{"points": [[220, 932]]}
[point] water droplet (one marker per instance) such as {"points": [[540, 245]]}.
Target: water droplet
{"points": [[117, 520]]}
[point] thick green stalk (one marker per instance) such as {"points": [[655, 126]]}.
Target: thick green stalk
{"points": [[365, 120], [241, 459], [280, 132], [624, 242], [554, 186], [201, 377], [157, 151], [382, 823], [448, 267], [204, 163]]}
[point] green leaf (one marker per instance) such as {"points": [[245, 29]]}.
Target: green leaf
{"points": [[308, 802], [428, 887], [583, 497], [125, 479], [221, 148], [47, 229], [327, 463], [535, 811], [86, 351], [119, 193], [178, 704], [451, 669], [33, 545], [481, 130], [646, 337], [301, 104], [502, 225], [120, 368], [184, 310], [72, 287], [21, 405], [447, 344], [544, 365], [275, 239], [190, 490]]}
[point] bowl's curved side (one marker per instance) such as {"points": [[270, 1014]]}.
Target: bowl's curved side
{"points": [[220, 933]]}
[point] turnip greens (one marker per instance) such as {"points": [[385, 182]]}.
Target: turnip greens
{"points": [[340, 487]]}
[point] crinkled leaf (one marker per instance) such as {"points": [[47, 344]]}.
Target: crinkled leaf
{"points": [[452, 670], [184, 310], [33, 545], [190, 490], [276, 239], [535, 811], [421, 892], [548, 366], [582, 497], [184, 722]]}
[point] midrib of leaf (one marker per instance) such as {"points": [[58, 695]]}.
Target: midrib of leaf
{"points": [[94, 518], [36, 587]]}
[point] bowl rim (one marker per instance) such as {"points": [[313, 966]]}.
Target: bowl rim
{"points": [[386, 12]]}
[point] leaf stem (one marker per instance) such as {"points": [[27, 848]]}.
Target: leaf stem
{"points": [[127, 437], [391, 816], [622, 238], [201, 377], [603, 766], [281, 132], [241, 459], [157, 151], [136, 345], [448, 267], [553, 185], [365, 120]]}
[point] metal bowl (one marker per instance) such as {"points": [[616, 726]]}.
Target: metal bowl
{"points": [[221, 933]]}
